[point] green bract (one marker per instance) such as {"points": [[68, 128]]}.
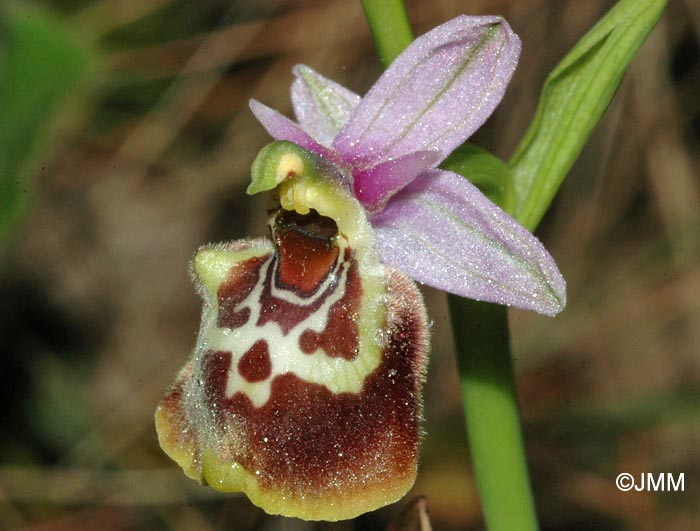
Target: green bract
{"points": [[574, 97]]}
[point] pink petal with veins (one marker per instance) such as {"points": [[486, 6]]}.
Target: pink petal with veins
{"points": [[375, 186], [282, 128]]}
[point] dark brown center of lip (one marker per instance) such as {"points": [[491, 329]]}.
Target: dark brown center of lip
{"points": [[311, 225], [305, 247]]}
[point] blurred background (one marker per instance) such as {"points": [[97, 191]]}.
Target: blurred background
{"points": [[126, 142]]}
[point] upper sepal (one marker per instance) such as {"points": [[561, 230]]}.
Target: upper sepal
{"points": [[435, 94]]}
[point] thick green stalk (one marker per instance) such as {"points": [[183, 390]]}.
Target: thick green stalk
{"points": [[484, 359], [390, 28], [491, 413]]}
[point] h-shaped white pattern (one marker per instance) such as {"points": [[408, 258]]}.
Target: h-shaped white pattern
{"points": [[337, 374]]}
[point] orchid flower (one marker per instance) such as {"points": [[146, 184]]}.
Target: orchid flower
{"points": [[304, 388], [431, 224]]}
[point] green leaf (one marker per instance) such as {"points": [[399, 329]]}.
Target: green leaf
{"points": [[39, 64], [575, 96], [485, 170]]}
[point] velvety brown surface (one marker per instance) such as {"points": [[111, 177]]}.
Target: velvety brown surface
{"points": [[241, 280], [341, 335], [306, 250], [308, 441], [255, 365]]}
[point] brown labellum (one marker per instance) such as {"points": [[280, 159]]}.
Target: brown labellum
{"points": [[304, 389]]}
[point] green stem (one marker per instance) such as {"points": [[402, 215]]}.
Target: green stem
{"points": [[484, 359], [390, 28], [491, 413]]}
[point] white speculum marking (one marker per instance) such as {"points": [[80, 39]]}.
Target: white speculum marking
{"points": [[337, 374]]}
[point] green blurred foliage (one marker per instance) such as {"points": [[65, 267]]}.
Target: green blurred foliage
{"points": [[40, 64]]}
